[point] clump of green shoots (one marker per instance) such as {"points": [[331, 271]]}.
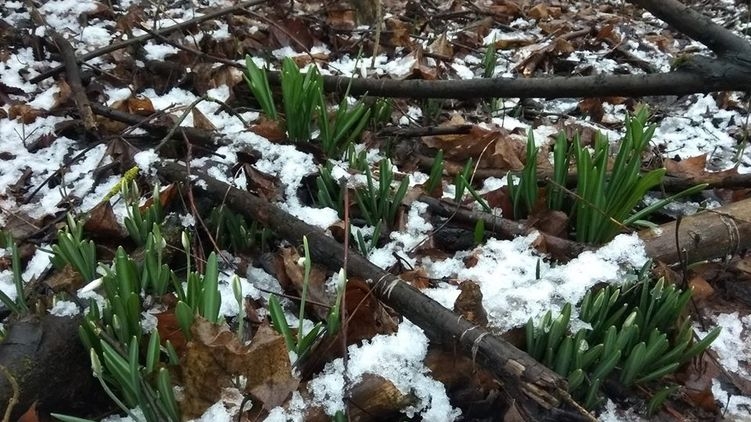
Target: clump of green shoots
{"points": [[305, 107], [17, 306], [636, 337], [606, 195], [72, 249], [301, 342]]}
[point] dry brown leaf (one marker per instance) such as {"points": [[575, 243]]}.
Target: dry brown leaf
{"points": [[397, 33], [169, 329], [548, 221], [24, 113], [200, 120], [262, 184], [416, 277], [61, 97], [103, 223], [291, 32], [508, 10], [469, 303], [316, 281], [500, 198], [593, 108], [140, 105], [512, 43], [269, 129], [688, 167], [266, 367], [420, 67], [460, 147], [608, 33], [663, 41], [206, 76], [442, 47], [68, 280], [342, 19], [365, 314], [509, 154], [215, 356], [539, 11], [701, 288]]}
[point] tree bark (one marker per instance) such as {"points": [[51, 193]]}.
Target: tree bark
{"points": [[706, 235]]}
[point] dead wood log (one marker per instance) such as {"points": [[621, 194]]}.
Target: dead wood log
{"points": [[196, 136], [697, 26], [706, 235], [540, 392]]}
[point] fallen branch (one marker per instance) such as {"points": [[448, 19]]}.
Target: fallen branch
{"points": [[717, 38], [539, 390], [705, 235], [73, 76], [696, 75], [559, 248], [196, 136]]}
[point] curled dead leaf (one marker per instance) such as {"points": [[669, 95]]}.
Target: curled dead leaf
{"points": [[469, 303]]}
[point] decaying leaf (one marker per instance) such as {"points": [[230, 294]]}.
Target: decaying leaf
{"points": [[103, 223], [262, 184], [417, 277], [140, 105], [316, 288], [366, 315], [469, 303], [215, 357], [695, 167], [442, 47], [269, 129], [200, 120], [24, 113]]}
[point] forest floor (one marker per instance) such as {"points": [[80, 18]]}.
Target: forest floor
{"points": [[51, 165]]}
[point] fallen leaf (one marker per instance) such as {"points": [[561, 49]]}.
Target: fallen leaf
{"points": [[103, 223], [269, 129], [140, 105], [442, 47], [548, 221], [215, 356], [342, 19], [397, 33], [315, 283], [701, 289], [200, 120], [416, 277], [262, 184], [469, 303], [24, 113]]}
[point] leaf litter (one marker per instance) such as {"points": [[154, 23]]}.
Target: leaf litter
{"points": [[699, 133]]}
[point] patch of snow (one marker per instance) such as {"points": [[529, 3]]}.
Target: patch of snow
{"points": [[415, 232], [731, 345], [736, 408], [613, 413], [158, 51], [38, 263], [398, 358], [512, 293]]}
